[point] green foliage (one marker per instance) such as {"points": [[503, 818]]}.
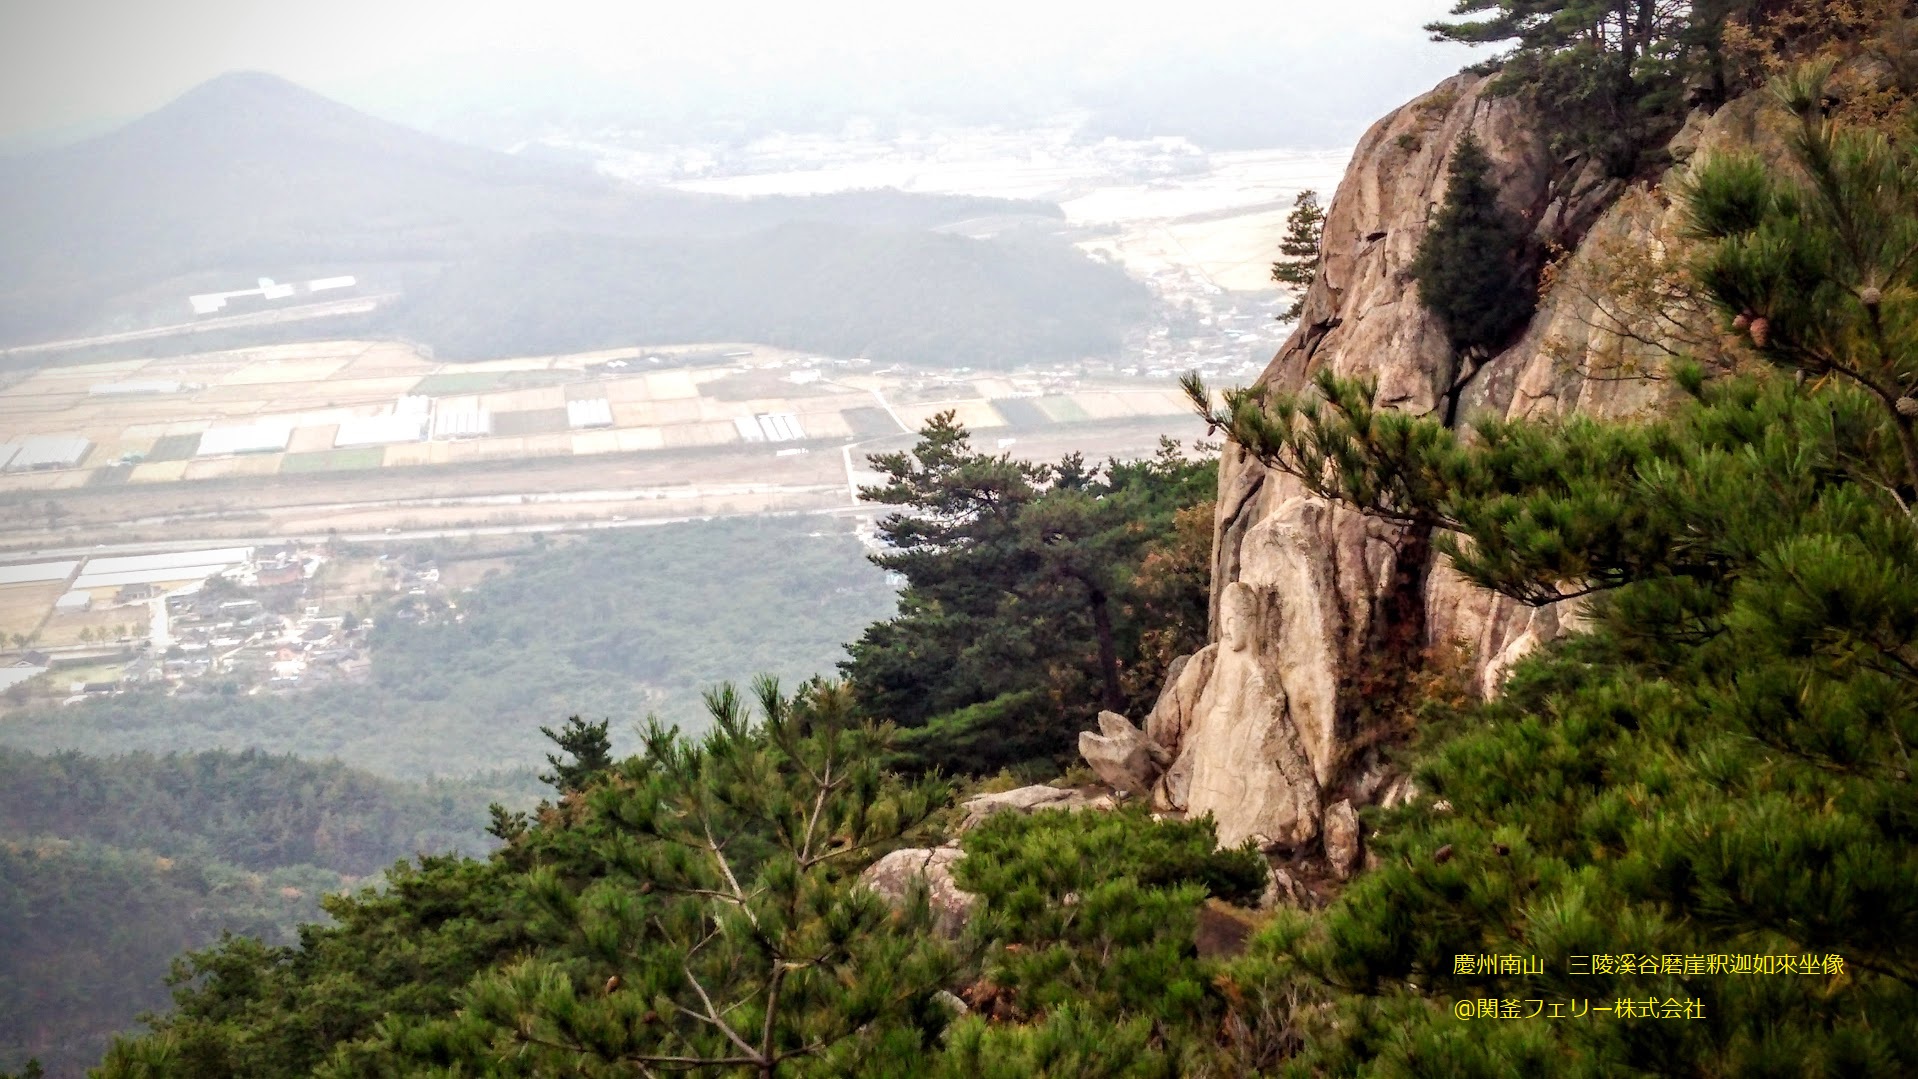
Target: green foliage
{"points": [[248, 809], [1471, 267], [1300, 258], [1023, 614], [1096, 914], [1020, 727], [1821, 273], [614, 625], [1055, 854], [91, 930], [1094, 917], [590, 748], [1072, 1042], [1607, 77], [897, 295]]}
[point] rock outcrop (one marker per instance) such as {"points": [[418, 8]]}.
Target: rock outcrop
{"points": [[1028, 800], [1264, 729], [1342, 849], [893, 876], [1123, 756]]}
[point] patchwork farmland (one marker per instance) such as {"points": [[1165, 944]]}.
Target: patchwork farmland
{"points": [[358, 435]]}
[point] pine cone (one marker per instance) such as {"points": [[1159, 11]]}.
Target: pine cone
{"points": [[1870, 296], [1743, 320], [1907, 407], [1761, 331]]}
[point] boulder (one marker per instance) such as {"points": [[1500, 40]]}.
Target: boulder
{"points": [[1282, 890], [1122, 755], [1173, 712], [893, 876], [1028, 800], [1342, 838]]}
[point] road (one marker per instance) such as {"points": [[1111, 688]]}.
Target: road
{"points": [[355, 306], [165, 546], [159, 631], [528, 498]]}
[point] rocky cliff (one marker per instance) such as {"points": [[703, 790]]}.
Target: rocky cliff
{"points": [[1318, 612]]}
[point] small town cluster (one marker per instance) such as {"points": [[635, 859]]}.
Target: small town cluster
{"points": [[226, 620]]}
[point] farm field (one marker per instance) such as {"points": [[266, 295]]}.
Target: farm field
{"points": [[361, 436]]}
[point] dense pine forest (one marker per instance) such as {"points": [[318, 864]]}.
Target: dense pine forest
{"points": [[111, 867], [1705, 791]]}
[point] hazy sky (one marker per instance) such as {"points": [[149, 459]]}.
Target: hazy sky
{"points": [[67, 63]]}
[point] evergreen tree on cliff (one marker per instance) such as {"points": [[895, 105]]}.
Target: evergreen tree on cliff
{"points": [[1470, 269], [1606, 78], [1299, 257]]}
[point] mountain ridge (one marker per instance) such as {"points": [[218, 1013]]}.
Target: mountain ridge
{"points": [[250, 175]]}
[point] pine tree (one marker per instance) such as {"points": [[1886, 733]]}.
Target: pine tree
{"points": [[703, 914], [1300, 259], [1821, 275], [1605, 77], [588, 745], [1018, 621], [1470, 267]]}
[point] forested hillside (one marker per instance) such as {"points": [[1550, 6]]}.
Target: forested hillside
{"points": [[894, 294], [249, 809], [110, 867]]}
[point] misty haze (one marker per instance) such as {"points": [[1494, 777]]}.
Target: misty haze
{"points": [[1066, 540]]}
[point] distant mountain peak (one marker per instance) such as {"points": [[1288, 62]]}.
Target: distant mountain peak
{"points": [[251, 83], [239, 95]]}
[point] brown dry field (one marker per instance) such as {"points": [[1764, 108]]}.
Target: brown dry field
{"points": [[313, 502], [24, 606], [64, 629]]}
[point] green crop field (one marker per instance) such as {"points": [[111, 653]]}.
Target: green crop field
{"points": [[174, 448], [333, 460], [460, 382]]}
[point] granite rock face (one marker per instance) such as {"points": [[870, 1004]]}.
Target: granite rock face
{"points": [[1262, 727]]}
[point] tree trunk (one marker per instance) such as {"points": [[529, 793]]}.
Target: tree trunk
{"points": [[1108, 651]]}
